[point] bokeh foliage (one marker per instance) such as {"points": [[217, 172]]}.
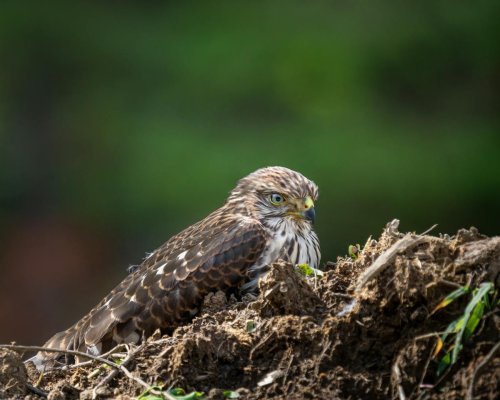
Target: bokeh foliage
{"points": [[138, 117], [138, 114]]}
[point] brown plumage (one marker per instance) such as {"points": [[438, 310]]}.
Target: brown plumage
{"points": [[268, 216]]}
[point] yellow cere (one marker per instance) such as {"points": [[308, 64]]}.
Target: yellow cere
{"points": [[308, 203]]}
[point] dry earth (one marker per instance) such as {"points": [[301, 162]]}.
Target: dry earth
{"points": [[362, 331]]}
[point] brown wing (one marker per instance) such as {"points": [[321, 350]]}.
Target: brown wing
{"points": [[168, 287]]}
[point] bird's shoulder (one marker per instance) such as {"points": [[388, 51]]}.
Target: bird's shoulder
{"points": [[207, 236]]}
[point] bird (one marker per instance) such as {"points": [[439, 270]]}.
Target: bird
{"points": [[268, 216]]}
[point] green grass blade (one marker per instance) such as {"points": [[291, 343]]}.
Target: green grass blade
{"points": [[180, 394], [147, 396], [443, 364], [478, 296], [453, 327], [451, 297], [474, 319]]}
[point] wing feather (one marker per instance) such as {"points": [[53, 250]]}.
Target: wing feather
{"points": [[169, 286]]}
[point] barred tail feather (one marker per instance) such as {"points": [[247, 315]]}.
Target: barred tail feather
{"points": [[61, 341]]}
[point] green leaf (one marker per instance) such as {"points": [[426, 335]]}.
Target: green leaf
{"points": [[451, 297], [443, 364], [464, 326], [353, 251], [146, 396], [474, 319], [250, 326], [180, 394], [305, 269], [453, 327], [478, 296], [459, 324], [229, 394]]}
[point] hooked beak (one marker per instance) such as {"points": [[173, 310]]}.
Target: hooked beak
{"points": [[303, 209], [310, 214], [308, 211]]}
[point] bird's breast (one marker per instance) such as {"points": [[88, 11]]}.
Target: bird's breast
{"points": [[289, 243]]}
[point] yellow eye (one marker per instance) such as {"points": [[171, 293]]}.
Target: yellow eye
{"points": [[276, 199]]}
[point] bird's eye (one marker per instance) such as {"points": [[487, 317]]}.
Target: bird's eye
{"points": [[276, 199]]}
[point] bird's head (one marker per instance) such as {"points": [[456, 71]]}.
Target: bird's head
{"points": [[277, 192]]}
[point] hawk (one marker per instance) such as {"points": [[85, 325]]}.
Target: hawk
{"points": [[267, 216]]}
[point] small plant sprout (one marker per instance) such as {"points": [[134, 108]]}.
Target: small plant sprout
{"points": [[180, 394], [307, 270], [170, 394], [98, 371], [353, 251], [230, 394], [149, 395], [251, 326], [461, 329], [451, 297]]}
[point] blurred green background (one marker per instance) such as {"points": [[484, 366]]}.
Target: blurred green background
{"points": [[123, 122]]}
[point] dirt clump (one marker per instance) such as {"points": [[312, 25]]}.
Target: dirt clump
{"points": [[365, 330], [13, 377]]}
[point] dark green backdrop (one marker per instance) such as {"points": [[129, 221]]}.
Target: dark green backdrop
{"points": [[123, 122]]}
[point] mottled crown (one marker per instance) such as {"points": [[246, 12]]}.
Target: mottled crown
{"points": [[276, 179]]}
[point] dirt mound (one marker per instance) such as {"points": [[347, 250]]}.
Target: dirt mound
{"points": [[363, 330]]}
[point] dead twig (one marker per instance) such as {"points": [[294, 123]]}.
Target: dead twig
{"points": [[36, 390], [326, 347], [108, 353], [386, 258], [52, 350], [399, 382], [343, 295], [428, 335], [428, 230], [269, 292], [290, 361], [429, 357], [114, 372], [261, 343], [450, 283], [481, 365]]}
